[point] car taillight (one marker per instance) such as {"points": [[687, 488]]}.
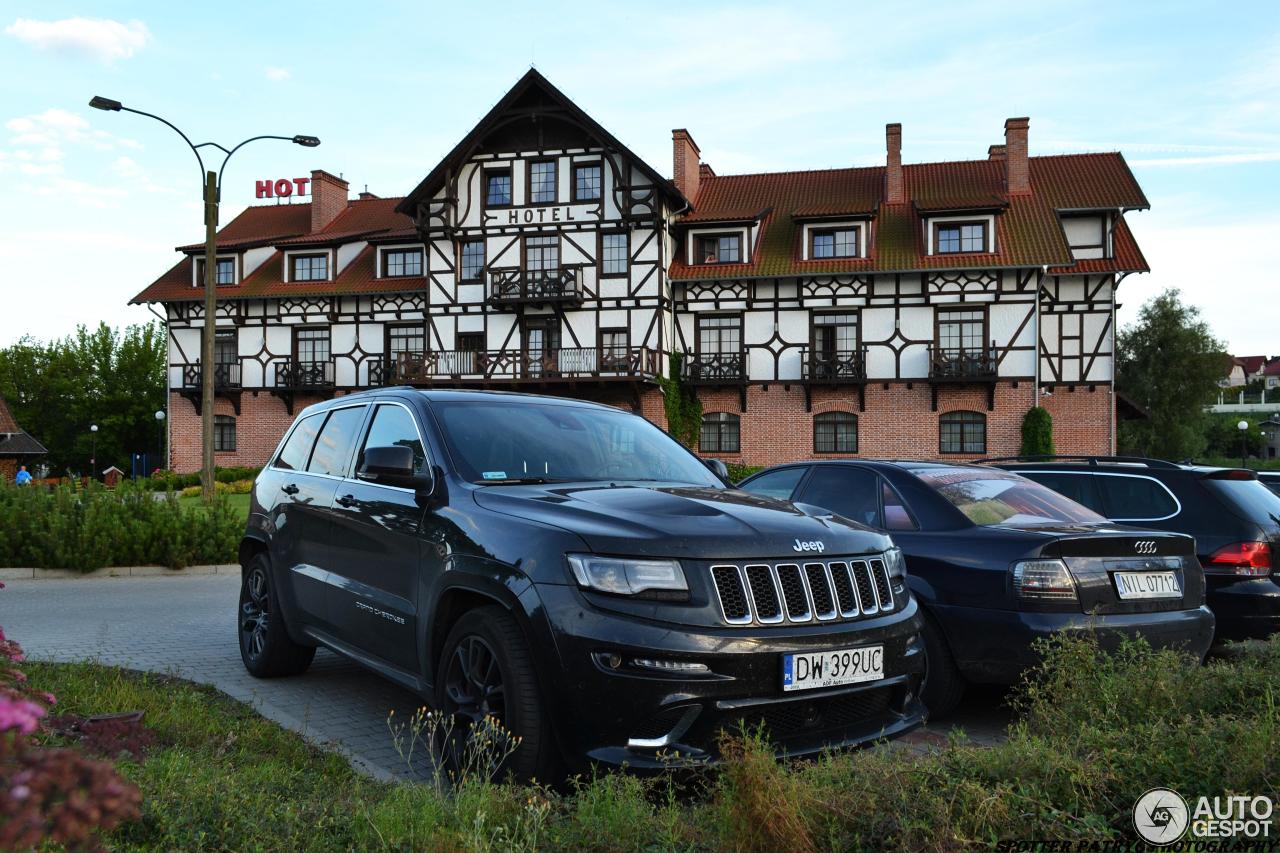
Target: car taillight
{"points": [[1240, 559], [1043, 580]]}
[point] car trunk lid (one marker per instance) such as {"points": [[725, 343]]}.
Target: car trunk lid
{"points": [[1131, 571]]}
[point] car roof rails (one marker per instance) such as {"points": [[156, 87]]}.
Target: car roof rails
{"points": [[1092, 460]]}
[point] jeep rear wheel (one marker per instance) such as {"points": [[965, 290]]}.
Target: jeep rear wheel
{"points": [[265, 645], [485, 673]]}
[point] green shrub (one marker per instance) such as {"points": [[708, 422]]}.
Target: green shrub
{"points": [[169, 481], [86, 529], [1037, 432], [682, 406], [738, 473]]}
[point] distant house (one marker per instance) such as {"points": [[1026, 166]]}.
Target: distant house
{"points": [[1236, 376], [1253, 365], [16, 447], [1271, 374]]}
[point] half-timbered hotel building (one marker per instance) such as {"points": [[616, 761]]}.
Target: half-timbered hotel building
{"points": [[886, 311]]}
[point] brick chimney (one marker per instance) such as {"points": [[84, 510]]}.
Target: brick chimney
{"points": [[995, 152], [328, 199], [685, 169], [1017, 170], [894, 190]]}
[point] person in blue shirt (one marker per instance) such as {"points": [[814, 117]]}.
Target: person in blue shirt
{"points": [[23, 477]]}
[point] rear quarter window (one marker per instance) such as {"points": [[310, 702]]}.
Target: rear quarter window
{"points": [[1132, 498], [1248, 499]]}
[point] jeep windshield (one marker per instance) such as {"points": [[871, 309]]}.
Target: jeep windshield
{"points": [[503, 442]]}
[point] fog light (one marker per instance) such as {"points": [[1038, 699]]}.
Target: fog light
{"points": [[671, 665]]}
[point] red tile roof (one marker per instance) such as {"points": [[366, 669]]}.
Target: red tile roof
{"points": [[1028, 228], [288, 225], [1252, 363], [1272, 368]]}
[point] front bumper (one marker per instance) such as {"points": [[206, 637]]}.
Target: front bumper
{"points": [[1246, 608], [607, 710], [996, 646]]}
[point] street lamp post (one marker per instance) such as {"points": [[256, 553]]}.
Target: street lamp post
{"points": [[1243, 426], [212, 193], [93, 451], [160, 429]]}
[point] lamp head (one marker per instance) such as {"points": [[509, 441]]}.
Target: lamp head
{"points": [[101, 103], [1242, 426], [306, 141]]}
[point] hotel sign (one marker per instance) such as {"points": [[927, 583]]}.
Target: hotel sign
{"points": [[548, 213], [281, 187]]}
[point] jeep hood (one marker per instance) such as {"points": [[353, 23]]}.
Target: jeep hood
{"points": [[691, 522]]}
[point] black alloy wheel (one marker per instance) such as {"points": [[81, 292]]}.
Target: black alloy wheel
{"points": [[255, 613], [265, 645], [473, 683]]}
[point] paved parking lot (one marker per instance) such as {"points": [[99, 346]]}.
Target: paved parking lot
{"points": [[184, 625]]}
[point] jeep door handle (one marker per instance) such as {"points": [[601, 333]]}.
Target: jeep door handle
{"points": [[290, 489], [347, 501]]}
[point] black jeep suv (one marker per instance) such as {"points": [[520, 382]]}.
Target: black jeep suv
{"points": [[1234, 518], [574, 572]]}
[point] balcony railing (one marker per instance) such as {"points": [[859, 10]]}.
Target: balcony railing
{"points": [[956, 364], [714, 368], [226, 375], [296, 375], [512, 286], [833, 366], [515, 365]]}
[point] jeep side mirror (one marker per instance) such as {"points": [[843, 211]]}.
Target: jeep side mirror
{"points": [[718, 468], [393, 466]]}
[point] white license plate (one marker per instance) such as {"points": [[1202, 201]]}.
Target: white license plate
{"points": [[810, 670], [1148, 585]]}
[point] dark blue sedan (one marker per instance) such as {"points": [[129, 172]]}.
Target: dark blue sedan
{"points": [[997, 561]]}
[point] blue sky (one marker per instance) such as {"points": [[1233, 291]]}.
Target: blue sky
{"points": [[92, 203]]}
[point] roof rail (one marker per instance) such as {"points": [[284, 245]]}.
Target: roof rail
{"points": [[1092, 460]]}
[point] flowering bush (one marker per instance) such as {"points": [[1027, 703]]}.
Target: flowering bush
{"points": [[49, 794]]}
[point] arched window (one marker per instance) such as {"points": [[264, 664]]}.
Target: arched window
{"points": [[720, 433], [962, 432], [224, 434], [835, 432]]}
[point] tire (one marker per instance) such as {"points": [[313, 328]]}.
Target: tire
{"points": [[492, 640], [943, 685], [265, 645]]}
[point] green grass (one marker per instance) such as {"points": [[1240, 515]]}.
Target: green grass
{"points": [[240, 503], [1093, 733]]}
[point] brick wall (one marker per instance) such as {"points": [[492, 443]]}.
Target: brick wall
{"points": [[1082, 419], [262, 421], [8, 470], [898, 422]]}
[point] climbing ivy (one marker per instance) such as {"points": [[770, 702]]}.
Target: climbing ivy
{"points": [[1037, 432], [684, 410]]}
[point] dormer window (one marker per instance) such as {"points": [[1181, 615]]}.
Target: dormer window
{"points": [[398, 263], [497, 188], [833, 243], [309, 268], [224, 271], [542, 182], [718, 249], [953, 238], [1086, 235]]}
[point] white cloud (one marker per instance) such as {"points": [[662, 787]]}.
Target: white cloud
{"points": [[97, 38], [277, 75]]}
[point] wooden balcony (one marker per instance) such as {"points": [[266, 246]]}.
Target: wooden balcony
{"points": [[833, 367], [724, 368], [226, 383], [959, 366], [560, 286], [495, 367], [304, 375]]}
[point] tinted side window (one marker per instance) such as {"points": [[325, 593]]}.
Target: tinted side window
{"points": [[851, 492], [333, 447], [293, 456], [1135, 498], [393, 427], [896, 514], [776, 484], [1081, 488]]}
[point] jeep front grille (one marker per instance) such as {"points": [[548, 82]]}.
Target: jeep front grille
{"points": [[774, 593]]}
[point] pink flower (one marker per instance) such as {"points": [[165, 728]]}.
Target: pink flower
{"points": [[19, 714], [20, 792]]}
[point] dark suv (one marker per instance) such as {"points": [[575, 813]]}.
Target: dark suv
{"points": [[1234, 518], [574, 572]]}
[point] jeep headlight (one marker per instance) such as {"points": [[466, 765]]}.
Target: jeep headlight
{"points": [[895, 563], [628, 576]]}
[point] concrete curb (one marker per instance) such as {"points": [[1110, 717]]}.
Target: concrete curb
{"points": [[20, 574]]}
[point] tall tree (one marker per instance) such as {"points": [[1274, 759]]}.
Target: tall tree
{"points": [[1170, 363], [57, 390]]}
